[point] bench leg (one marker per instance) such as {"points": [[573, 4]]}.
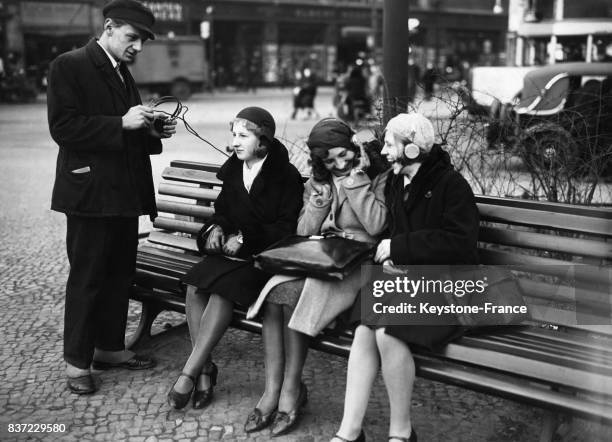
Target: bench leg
{"points": [[550, 423], [142, 334]]}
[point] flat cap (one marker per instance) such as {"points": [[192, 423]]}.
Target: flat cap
{"points": [[133, 13]]}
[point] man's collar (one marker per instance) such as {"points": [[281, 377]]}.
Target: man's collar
{"points": [[114, 62]]}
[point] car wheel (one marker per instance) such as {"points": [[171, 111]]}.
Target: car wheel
{"points": [[547, 146]]}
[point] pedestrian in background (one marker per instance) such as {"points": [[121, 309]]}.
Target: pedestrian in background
{"points": [[429, 80], [103, 184], [433, 220]]}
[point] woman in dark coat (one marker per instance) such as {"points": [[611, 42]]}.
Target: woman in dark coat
{"points": [[258, 205], [433, 219]]}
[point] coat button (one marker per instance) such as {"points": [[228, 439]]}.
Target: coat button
{"points": [[428, 194], [350, 181]]}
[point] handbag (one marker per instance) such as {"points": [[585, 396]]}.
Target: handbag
{"points": [[502, 290], [202, 238], [329, 257]]}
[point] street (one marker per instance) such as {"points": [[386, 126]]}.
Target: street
{"points": [[132, 405]]}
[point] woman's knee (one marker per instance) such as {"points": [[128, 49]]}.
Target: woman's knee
{"points": [[221, 301], [272, 310], [190, 291]]}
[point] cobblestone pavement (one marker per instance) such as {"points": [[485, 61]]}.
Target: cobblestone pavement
{"points": [[131, 405]]}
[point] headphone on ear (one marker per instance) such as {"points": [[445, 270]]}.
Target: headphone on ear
{"points": [[411, 151]]}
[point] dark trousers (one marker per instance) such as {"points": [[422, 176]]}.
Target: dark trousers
{"points": [[102, 256]]}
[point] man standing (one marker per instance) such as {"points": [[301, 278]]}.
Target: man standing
{"points": [[103, 184]]}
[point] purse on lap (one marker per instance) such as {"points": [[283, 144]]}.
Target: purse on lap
{"points": [[330, 257]]}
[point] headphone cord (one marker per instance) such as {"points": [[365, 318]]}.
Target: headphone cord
{"points": [[179, 113]]}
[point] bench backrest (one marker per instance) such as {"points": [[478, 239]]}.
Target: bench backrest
{"points": [[546, 241]]}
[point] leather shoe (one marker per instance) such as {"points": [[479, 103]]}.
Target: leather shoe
{"points": [[258, 421], [136, 362], [202, 398], [178, 400], [284, 422], [412, 438], [81, 384]]}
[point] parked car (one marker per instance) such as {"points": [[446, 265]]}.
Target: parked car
{"points": [[561, 118]]}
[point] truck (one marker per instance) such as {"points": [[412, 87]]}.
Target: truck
{"points": [[172, 66], [497, 84]]}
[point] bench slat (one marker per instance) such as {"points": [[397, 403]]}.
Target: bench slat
{"points": [[549, 219], [573, 352], [191, 176], [551, 315], [545, 266], [187, 258], [195, 165], [163, 266], [195, 193], [594, 343], [154, 280], [507, 387], [468, 351], [180, 208], [574, 246], [565, 294], [177, 225], [178, 242]]}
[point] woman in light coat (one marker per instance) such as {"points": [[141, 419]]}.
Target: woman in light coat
{"points": [[344, 196]]}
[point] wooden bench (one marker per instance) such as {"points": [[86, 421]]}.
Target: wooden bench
{"points": [[555, 362]]}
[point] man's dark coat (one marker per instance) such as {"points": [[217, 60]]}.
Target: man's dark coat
{"points": [[86, 100]]}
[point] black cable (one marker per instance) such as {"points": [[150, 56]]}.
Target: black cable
{"points": [[179, 113]]}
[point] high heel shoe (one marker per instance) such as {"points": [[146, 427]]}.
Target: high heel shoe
{"points": [[284, 422], [201, 398], [360, 438], [179, 400], [257, 421], [412, 438]]}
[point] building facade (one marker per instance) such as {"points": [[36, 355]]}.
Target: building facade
{"points": [[268, 41], [553, 31]]}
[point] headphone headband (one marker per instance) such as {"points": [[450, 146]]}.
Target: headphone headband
{"points": [[168, 99]]}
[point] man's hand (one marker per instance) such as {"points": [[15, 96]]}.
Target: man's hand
{"points": [[232, 246], [215, 240], [383, 251], [137, 117], [168, 128]]}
